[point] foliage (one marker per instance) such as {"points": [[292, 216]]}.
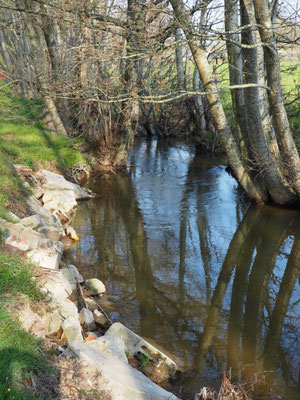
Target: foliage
{"points": [[20, 353], [144, 358]]}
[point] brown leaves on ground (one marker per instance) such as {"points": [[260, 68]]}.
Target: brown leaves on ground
{"points": [[73, 380], [8, 249]]}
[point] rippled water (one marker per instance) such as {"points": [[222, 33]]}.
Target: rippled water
{"points": [[195, 268]]}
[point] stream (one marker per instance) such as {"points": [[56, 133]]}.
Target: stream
{"points": [[192, 266]]}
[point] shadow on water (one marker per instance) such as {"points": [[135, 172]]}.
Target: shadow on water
{"points": [[196, 269]]}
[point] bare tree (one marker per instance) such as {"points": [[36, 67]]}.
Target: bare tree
{"points": [[107, 70]]}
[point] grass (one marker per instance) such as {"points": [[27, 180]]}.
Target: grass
{"points": [[291, 83], [290, 77], [25, 140], [20, 352]]}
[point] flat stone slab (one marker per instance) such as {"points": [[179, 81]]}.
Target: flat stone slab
{"points": [[123, 381], [109, 345], [20, 236], [135, 346], [58, 182], [47, 224]]}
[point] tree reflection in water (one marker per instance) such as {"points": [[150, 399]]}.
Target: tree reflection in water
{"points": [[198, 271]]}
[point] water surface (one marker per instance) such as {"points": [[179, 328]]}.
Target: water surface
{"points": [[195, 268]]}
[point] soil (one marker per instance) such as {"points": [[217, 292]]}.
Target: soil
{"points": [[7, 248]]}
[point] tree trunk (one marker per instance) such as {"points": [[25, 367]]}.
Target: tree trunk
{"points": [[38, 53], [179, 60], [262, 160], [198, 105], [130, 109], [235, 72], [225, 135], [280, 120]]}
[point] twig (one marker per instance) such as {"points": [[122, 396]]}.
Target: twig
{"points": [[79, 289], [107, 317]]}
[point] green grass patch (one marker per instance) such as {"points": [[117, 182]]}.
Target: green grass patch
{"points": [[290, 73], [20, 353], [25, 140], [290, 78]]}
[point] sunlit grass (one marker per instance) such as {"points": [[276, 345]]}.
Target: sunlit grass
{"points": [[20, 352], [24, 140], [290, 77]]}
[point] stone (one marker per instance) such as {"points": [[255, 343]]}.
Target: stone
{"points": [[72, 275], [52, 323], [60, 196], [31, 322], [58, 182], [91, 304], [13, 218], [47, 224], [94, 286], [35, 206], [59, 287], [62, 203], [100, 318], [113, 346], [38, 191], [95, 334], [21, 244], [71, 233], [20, 236], [119, 378], [71, 331], [48, 255], [137, 346], [67, 309], [87, 320]]}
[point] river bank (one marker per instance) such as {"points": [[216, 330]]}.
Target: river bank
{"points": [[43, 297], [159, 237], [74, 321]]}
